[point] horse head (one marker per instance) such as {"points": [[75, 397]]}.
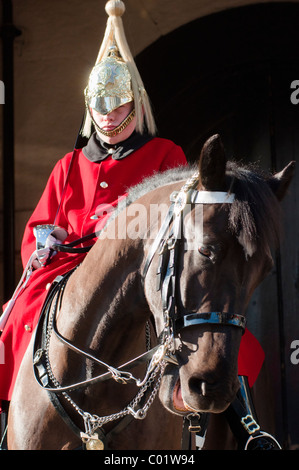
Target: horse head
{"points": [[226, 221]]}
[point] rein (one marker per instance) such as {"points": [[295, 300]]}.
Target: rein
{"points": [[70, 247]]}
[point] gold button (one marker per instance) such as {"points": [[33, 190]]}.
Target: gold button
{"points": [[104, 185], [27, 328]]}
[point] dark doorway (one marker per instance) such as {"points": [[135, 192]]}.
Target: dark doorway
{"points": [[231, 73]]}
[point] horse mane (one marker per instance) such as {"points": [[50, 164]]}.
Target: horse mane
{"points": [[157, 181], [254, 215]]}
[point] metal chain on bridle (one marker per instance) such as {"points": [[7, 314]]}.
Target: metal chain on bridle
{"points": [[93, 435], [154, 372]]}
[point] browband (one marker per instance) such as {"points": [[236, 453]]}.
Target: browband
{"points": [[193, 196], [211, 197]]}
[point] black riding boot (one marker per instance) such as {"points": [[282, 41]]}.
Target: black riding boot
{"points": [[242, 419]]}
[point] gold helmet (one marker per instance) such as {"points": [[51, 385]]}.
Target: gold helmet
{"points": [[115, 80], [109, 84]]}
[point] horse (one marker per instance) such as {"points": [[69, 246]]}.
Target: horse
{"points": [[146, 331]]}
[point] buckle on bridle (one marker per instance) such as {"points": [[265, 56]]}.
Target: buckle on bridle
{"points": [[250, 424], [194, 422], [198, 423]]}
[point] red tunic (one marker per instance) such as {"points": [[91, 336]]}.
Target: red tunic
{"points": [[82, 196]]}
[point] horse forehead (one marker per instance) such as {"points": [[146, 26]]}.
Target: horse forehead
{"points": [[215, 213], [210, 219]]}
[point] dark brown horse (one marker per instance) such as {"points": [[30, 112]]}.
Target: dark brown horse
{"points": [[191, 270]]}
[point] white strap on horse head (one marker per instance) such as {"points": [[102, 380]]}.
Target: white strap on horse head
{"points": [[189, 195]]}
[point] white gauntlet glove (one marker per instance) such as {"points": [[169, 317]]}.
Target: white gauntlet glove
{"points": [[46, 236]]}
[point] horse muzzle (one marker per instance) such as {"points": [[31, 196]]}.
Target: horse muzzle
{"points": [[182, 394], [200, 395]]}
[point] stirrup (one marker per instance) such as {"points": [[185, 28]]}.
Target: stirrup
{"points": [[262, 441]]}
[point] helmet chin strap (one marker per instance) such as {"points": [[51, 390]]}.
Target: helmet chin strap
{"points": [[117, 130]]}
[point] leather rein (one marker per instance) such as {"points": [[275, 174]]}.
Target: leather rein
{"points": [[167, 247]]}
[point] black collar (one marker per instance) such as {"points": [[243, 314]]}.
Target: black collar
{"points": [[96, 150]]}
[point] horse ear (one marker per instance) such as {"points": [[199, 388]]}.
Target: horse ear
{"points": [[212, 164], [279, 182]]}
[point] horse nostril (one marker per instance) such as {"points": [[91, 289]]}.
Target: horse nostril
{"points": [[198, 386]]}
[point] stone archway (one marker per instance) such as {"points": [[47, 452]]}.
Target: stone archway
{"points": [[231, 73]]}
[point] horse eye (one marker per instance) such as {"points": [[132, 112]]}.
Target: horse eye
{"points": [[203, 250]]}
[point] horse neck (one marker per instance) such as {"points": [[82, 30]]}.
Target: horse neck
{"points": [[103, 306]]}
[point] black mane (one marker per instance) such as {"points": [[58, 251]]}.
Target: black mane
{"points": [[255, 213]]}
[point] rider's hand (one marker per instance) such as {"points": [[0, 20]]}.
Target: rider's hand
{"points": [[43, 254]]}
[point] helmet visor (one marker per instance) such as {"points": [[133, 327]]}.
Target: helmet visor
{"points": [[107, 104], [109, 86]]}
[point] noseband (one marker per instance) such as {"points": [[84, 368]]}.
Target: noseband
{"points": [[167, 244]]}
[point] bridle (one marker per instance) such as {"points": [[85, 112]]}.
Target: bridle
{"points": [[166, 245]]}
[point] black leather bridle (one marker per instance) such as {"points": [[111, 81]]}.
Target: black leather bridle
{"points": [[167, 244]]}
